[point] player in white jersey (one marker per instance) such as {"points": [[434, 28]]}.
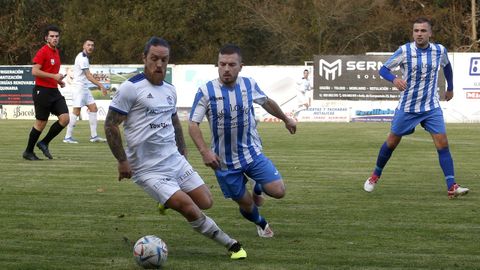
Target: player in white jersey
{"points": [[236, 149], [303, 87], [81, 95], [420, 62], [156, 153]]}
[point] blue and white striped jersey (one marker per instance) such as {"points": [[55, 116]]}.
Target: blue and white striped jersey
{"points": [[231, 116], [420, 69], [148, 129]]}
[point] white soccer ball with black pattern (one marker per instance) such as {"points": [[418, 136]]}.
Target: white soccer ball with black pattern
{"points": [[150, 252]]}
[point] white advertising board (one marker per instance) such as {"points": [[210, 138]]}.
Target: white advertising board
{"points": [[280, 83]]}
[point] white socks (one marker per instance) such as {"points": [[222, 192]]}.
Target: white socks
{"points": [[71, 125], [206, 226], [92, 119]]}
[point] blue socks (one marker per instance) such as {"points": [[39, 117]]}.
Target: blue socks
{"points": [[257, 188], [444, 157], [254, 217], [382, 159], [446, 162]]}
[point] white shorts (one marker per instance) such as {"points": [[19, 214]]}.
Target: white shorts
{"points": [[163, 183], [81, 97], [302, 98]]}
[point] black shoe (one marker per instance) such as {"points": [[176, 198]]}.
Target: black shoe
{"points": [[30, 156], [44, 147]]}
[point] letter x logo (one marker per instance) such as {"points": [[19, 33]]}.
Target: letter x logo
{"points": [[330, 70]]}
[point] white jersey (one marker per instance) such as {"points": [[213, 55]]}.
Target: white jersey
{"points": [[304, 85], [148, 129], [231, 117], [81, 64]]}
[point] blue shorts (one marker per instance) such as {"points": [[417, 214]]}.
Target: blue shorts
{"points": [[404, 123], [232, 182]]}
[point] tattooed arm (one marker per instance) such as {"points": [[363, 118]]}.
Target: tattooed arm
{"points": [[114, 139], [179, 135]]}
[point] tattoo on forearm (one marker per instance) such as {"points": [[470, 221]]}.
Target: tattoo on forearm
{"points": [[114, 137], [179, 138]]}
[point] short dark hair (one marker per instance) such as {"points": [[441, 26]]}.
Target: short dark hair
{"points": [[423, 20], [231, 49], [155, 41], [88, 39], [52, 28]]}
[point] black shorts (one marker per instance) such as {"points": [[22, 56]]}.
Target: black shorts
{"points": [[48, 100]]}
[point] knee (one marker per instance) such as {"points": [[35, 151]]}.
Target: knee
{"points": [[63, 120], [442, 144], [275, 190], [40, 125], [205, 204], [278, 194], [93, 108]]}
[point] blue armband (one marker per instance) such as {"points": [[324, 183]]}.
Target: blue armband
{"points": [[448, 72], [386, 74]]}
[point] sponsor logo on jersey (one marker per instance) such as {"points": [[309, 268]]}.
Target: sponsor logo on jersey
{"points": [[170, 100], [213, 99], [158, 125], [155, 111]]}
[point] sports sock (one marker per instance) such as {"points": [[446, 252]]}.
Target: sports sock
{"points": [[383, 156], [92, 119], [257, 188], [446, 162], [206, 226], [32, 139], [71, 125], [54, 130], [254, 217]]}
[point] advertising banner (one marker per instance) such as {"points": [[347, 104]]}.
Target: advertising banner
{"points": [[17, 112], [355, 77], [346, 88], [465, 105], [16, 84]]}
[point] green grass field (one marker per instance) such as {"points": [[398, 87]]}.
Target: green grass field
{"points": [[72, 213]]}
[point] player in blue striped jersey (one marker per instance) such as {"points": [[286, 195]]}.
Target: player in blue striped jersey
{"points": [[236, 149], [420, 61]]}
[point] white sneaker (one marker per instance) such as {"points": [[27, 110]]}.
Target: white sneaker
{"points": [[70, 140], [97, 139], [265, 233], [456, 191], [369, 185]]}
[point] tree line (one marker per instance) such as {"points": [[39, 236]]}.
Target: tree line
{"points": [[286, 32]]}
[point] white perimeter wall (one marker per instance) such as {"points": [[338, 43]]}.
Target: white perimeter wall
{"points": [[279, 82]]}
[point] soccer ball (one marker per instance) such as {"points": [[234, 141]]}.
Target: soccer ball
{"points": [[150, 252]]}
